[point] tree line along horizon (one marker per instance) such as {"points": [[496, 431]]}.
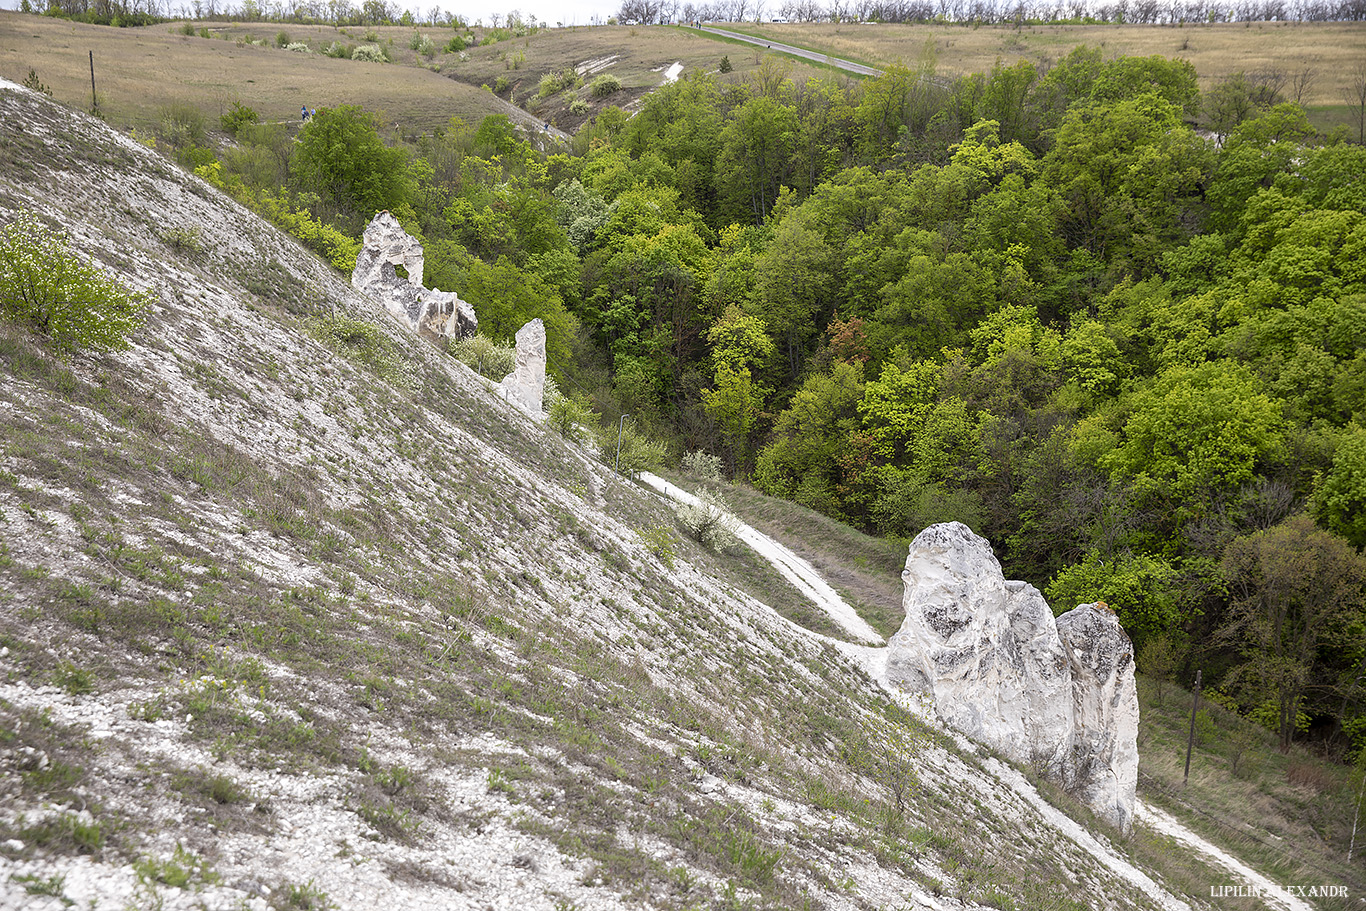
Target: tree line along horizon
{"points": [[1037, 302], [648, 12]]}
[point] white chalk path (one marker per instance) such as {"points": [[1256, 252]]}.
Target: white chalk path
{"points": [[796, 570], [1244, 875], [671, 75]]}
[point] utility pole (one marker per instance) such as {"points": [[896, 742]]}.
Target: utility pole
{"points": [[94, 103], [1190, 741]]}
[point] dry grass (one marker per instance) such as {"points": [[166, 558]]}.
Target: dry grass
{"points": [[138, 72], [141, 71], [1330, 49]]}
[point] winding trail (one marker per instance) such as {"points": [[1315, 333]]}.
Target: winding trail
{"points": [[796, 570]]}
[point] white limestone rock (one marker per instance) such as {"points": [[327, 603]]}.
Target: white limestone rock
{"points": [[385, 246], [525, 385], [1105, 711], [995, 664]]}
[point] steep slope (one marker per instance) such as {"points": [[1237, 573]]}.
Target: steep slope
{"points": [[295, 613]]}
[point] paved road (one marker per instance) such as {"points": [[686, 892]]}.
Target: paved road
{"points": [[847, 65]]}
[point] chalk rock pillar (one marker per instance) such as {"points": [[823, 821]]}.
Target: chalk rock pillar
{"points": [[526, 383], [385, 246], [991, 659], [1104, 772]]}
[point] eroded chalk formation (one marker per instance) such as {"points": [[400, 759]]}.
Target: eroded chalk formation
{"points": [[386, 247], [526, 383], [993, 661]]}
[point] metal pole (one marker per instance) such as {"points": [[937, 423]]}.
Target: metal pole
{"points": [[621, 426], [94, 104], [1190, 742]]}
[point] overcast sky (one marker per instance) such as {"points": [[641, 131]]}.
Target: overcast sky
{"points": [[570, 12]]}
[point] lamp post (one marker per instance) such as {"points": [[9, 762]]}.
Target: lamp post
{"points": [[620, 427]]}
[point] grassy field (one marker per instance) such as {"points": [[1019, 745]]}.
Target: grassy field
{"points": [[1330, 49], [140, 72], [1287, 814]]}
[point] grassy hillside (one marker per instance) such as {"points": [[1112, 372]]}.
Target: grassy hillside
{"points": [[141, 72], [1289, 815]]}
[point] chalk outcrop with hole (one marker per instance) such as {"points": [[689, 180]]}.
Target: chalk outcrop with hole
{"points": [[385, 247], [525, 385], [1058, 694]]}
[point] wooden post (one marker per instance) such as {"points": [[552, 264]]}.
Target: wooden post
{"points": [[1190, 741], [94, 103]]}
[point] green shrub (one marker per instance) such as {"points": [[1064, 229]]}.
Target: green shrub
{"points": [[370, 53], [237, 117], [364, 344], [187, 28], [578, 107], [456, 44], [56, 293], [298, 47], [725, 65], [629, 450], [551, 83], [31, 82], [573, 418], [659, 540], [702, 465], [709, 522], [605, 85], [282, 39], [501, 85], [182, 125], [484, 356]]}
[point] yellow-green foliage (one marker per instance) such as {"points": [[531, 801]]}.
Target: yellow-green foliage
{"points": [[338, 248]]}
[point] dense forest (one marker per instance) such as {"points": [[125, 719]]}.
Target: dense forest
{"points": [[1041, 303]]}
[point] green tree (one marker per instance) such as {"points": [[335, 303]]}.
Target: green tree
{"points": [[61, 295], [737, 343], [1340, 492], [341, 156], [755, 157], [809, 437], [793, 284], [507, 298], [1142, 589], [1293, 590], [1130, 174], [1197, 430]]}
